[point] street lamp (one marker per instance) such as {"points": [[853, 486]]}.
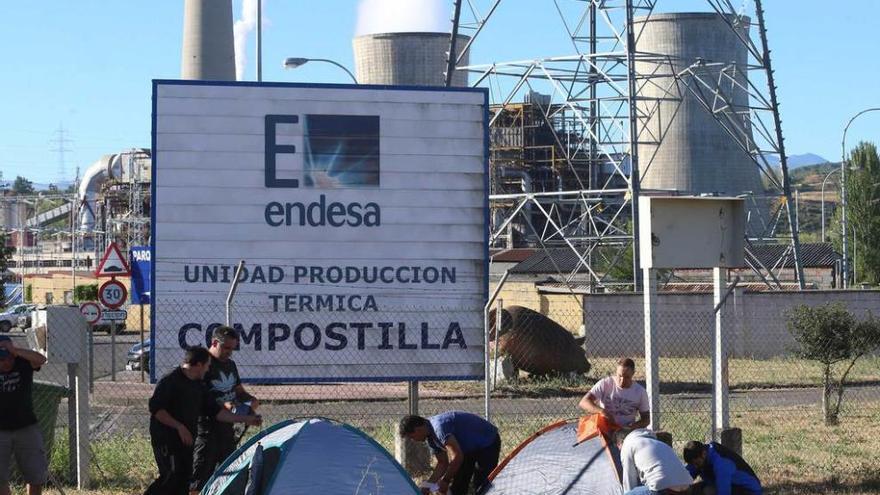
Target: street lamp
{"points": [[823, 200], [843, 166], [294, 62]]}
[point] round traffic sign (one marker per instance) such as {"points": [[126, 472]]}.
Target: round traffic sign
{"points": [[91, 311], [112, 294]]}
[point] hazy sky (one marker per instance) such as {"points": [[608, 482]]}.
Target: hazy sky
{"points": [[86, 65]]}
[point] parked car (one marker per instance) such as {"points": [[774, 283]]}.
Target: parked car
{"points": [[139, 357], [12, 316]]}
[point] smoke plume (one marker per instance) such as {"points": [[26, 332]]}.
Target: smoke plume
{"points": [[396, 16], [242, 29]]}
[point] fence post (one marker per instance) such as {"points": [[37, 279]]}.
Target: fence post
{"points": [[413, 397], [499, 312], [720, 403], [488, 384], [652, 365], [83, 384]]}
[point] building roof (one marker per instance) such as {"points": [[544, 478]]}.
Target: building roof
{"points": [[813, 255], [515, 255], [552, 261]]}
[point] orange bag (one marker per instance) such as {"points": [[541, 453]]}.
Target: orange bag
{"points": [[594, 424]]}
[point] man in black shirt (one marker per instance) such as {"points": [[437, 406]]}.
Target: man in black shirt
{"points": [[179, 399], [215, 440], [19, 433]]}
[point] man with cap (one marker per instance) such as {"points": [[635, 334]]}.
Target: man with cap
{"points": [[20, 435]]}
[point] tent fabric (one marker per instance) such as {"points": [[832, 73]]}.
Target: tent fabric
{"points": [[553, 462], [312, 456], [594, 424]]}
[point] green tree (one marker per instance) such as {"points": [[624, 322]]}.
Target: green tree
{"points": [[22, 186], [84, 293], [5, 255], [863, 214], [831, 335]]}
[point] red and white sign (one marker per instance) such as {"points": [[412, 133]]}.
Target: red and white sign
{"points": [[91, 311], [113, 264], [112, 294]]}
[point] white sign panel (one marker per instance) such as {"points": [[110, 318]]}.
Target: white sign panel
{"points": [[360, 213]]}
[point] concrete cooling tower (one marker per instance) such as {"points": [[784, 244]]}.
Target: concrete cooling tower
{"points": [[409, 59], [696, 155], [208, 46]]}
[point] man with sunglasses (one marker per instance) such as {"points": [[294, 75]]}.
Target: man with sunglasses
{"points": [[216, 440]]}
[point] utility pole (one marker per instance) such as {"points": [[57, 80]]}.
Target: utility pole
{"points": [[59, 145]]}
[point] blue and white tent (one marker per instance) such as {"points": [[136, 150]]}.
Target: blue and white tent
{"points": [[310, 456]]}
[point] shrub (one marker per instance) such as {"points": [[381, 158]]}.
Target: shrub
{"points": [[829, 334]]}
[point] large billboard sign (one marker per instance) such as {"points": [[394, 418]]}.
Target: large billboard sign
{"points": [[360, 213]]}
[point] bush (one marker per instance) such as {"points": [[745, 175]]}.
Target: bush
{"points": [[830, 335], [82, 293]]}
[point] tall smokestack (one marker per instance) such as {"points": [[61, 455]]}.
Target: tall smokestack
{"points": [[208, 47]]}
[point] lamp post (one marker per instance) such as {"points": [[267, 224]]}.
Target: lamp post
{"points": [[823, 200], [294, 62], [843, 165]]}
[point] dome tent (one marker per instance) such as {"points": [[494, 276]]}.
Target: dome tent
{"points": [[308, 456], [554, 462]]}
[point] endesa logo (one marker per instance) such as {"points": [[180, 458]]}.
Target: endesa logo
{"points": [[339, 151]]}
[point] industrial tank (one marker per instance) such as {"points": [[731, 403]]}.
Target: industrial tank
{"points": [[208, 51], [695, 154], [410, 59]]}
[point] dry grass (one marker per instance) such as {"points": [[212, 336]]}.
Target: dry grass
{"points": [[678, 375], [791, 450]]}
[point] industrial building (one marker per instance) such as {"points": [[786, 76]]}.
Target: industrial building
{"points": [[693, 136]]}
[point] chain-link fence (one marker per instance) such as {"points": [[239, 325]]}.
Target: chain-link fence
{"points": [[543, 357]]}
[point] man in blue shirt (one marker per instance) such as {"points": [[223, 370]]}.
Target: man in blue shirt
{"points": [[466, 447], [721, 468]]}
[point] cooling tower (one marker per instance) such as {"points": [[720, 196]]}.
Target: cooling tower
{"points": [[208, 49], [695, 154], [409, 59]]}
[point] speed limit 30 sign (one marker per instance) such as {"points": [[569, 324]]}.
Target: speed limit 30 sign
{"points": [[112, 294]]}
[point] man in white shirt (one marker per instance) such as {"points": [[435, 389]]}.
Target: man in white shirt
{"points": [[619, 398], [649, 465]]}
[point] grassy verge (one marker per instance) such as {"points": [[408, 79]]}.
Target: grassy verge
{"points": [[677, 375], [790, 449]]}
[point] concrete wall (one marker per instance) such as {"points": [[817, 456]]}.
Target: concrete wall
{"points": [[615, 325]]}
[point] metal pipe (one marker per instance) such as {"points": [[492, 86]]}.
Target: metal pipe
{"points": [[259, 40], [635, 175], [232, 290]]}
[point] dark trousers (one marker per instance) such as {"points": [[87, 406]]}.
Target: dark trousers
{"points": [[175, 468], [475, 469], [212, 446]]}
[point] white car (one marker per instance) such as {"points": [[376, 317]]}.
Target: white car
{"points": [[9, 318]]}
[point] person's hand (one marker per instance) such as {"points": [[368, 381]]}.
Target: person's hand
{"points": [[185, 436], [607, 415], [254, 404], [253, 420]]}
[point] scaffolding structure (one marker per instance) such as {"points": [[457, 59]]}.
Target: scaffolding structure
{"points": [[566, 170]]}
